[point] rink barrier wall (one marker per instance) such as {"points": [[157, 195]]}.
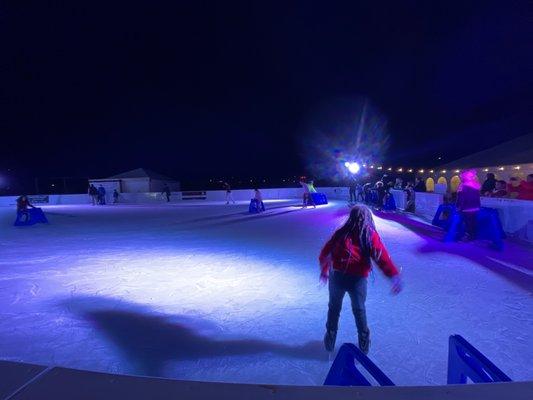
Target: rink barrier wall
{"points": [[210, 195], [28, 381], [516, 215]]}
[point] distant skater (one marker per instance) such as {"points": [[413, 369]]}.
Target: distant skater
{"points": [[353, 191], [306, 198], [346, 261], [229, 196], [166, 192]]}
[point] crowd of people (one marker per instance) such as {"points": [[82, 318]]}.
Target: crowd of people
{"points": [[514, 189]]}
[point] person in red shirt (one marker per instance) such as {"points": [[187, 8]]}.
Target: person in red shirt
{"points": [[346, 260], [525, 189]]}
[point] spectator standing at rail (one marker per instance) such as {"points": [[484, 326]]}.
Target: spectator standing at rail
{"points": [[420, 185], [101, 195], [93, 194], [489, 185], [500, 190], [346, 260]]}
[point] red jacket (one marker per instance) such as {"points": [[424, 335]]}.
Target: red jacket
{"points": [[346, 256]]}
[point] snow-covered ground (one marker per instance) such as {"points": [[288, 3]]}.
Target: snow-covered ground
{"points": [[209, 292]]}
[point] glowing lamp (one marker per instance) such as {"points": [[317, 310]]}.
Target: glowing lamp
{"points": [[486, 170], [380, 167], [352, 167], [443, 171], [430, 171], [501, 168], [421, 171], [457, 171], [517, 167], [409, 170], [390, 168], [400, 169]]}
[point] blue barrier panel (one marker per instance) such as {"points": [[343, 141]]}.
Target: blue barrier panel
{"points": [[343, 371], [390, 203], [465, 361], [31, 216], [319, 198], [489, 227], [256, 206]]}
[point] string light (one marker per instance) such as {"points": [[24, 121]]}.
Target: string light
{"points": [[485, 170], [501, 168], [421, 171], [457, 171], [430, 171], [517, 167], [443, 171], [380, 167], [400, 170], [389, 169], [409, 170]]}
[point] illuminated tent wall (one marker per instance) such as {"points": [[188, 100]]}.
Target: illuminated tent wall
{"points": [[511, 158], [140, 180]]}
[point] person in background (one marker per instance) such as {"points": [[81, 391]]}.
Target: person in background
{"points": [[489, 185], [93, 193], [346, 260], [420, 185], [229, 196], [500, 190], [115, 196], [398, 184], [307, 198], [166, 192], [258, 197], [410, 200], [23, 203], [468, 200], [101, 195], [525, 191], [513, 187], [353, 191], [381, 190]]}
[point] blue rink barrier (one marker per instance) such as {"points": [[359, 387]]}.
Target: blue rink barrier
{"points": [[343, 371], [319, 198], [488, 224], [390, 203], [256, 206], [465, 361], [30, 217]]}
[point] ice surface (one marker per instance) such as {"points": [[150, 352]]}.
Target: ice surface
{"points": [[209, 292]]}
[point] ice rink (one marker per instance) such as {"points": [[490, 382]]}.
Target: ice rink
{"points": [[209, 292]]}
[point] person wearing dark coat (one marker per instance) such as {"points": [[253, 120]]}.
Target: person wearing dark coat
{"points": [[489, 185]]}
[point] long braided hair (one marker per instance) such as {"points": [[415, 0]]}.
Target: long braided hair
{"points": [[360, 227]]}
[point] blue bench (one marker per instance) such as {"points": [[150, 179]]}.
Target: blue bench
{"points": [[319, 198], [343, 371], [488, 224], [31, 216], [256, 206], [465, 361]]}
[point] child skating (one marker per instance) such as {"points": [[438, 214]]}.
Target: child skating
{"points": [[346, 261]]}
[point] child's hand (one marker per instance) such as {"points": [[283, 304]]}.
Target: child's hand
{"points": [[397, 285], [323, 278]]}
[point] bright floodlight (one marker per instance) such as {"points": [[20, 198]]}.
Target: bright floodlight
{"points": [[347, 164], [353, 167]]}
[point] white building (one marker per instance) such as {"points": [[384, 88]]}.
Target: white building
{"points": [[140, 180]]}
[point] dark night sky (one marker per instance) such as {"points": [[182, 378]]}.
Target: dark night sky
{"points": [[196, 89]]}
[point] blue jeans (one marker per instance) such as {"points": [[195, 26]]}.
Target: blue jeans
{"points": [[355, 286]]}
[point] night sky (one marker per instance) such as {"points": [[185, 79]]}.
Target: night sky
{"points": [[199, 89]]}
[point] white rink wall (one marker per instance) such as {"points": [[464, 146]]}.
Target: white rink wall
{"points": [[211, 195]]}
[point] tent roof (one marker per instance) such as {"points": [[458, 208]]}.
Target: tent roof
{"points": [[512, 152], [141, 173]]}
